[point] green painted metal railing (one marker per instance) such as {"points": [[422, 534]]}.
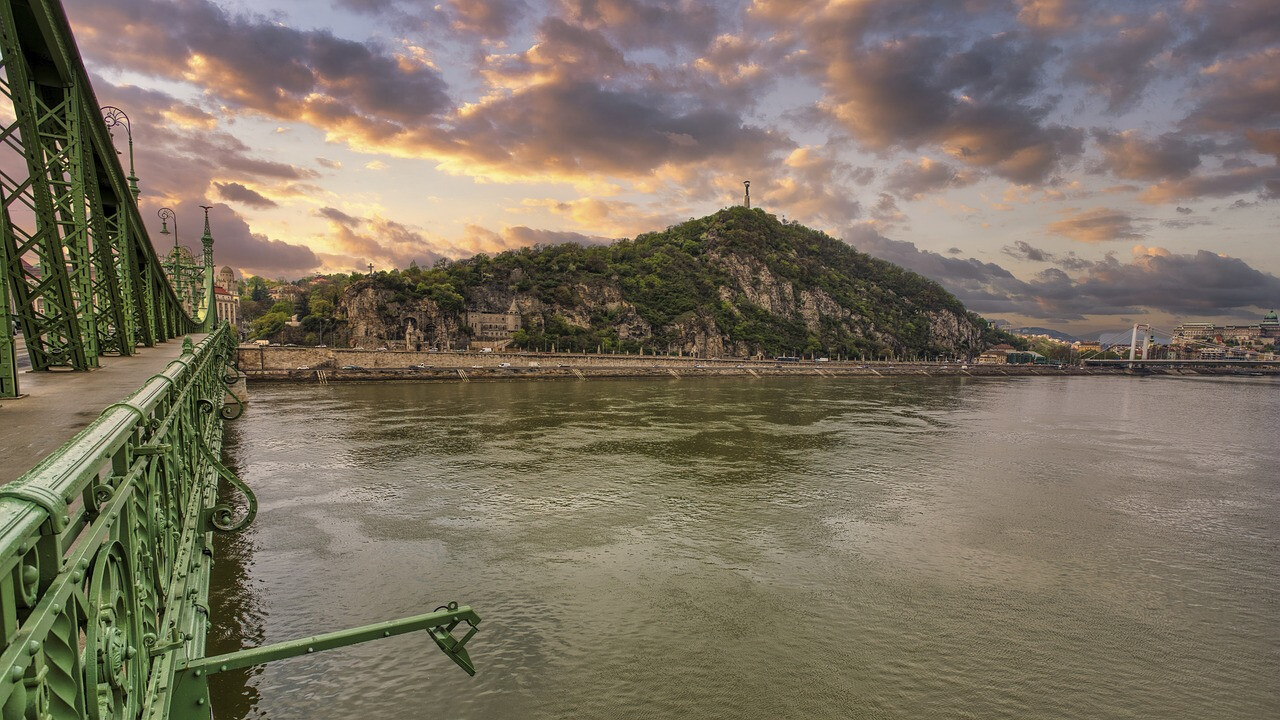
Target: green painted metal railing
{"points": [[106, 549], [106, 545]]}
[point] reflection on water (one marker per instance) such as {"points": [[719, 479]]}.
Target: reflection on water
{"points": [[1068, 547]]}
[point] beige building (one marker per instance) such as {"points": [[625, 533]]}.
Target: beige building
{"points": [[284, 292], [998, 355], [1264, 333], [227, 306], [492, 329]]}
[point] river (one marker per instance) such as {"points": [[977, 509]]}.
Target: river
{"points": [[1075, 547]]}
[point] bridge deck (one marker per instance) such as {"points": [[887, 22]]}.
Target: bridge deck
{"points": [[57, 405]]}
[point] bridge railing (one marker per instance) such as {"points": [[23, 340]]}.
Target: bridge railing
{"points": [[105, 548]]}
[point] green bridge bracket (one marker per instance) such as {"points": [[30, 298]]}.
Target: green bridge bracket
{"points": [[191, 688]]}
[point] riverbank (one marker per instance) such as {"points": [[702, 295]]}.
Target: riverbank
{"points": [[325, 365]]}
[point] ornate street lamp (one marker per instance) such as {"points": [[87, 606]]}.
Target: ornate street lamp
{"points": [[166, 215], [114, 116]]}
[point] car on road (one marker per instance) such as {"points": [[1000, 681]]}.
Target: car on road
{"points": [[352, 367], [419, 366], [304, 367], [504, 364]]}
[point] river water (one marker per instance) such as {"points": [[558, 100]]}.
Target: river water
{"points": [[781, 548]]}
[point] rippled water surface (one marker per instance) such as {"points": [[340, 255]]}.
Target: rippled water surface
{"points": [[779, 548]]}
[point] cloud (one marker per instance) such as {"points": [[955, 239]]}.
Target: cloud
{"points": [[1097, 225], [972, 102], [1264, 180], [914, 180], [1050, 15], [1229, 26], [665, 24], [486, 18], [1154, 279], [1238, 93], [235, 192], [1023, 250], [235, 244], [1131, 156], [1121, 66], [253, 63]]}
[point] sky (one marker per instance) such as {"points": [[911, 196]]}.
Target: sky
{"points": [[1075, 164]]}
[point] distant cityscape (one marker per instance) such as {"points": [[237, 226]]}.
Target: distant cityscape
{"points": [[1188, 341]]}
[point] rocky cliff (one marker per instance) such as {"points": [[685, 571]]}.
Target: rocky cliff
{"points": [[736, 283]]}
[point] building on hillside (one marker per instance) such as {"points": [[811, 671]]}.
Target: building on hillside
{"points": [[998, 355], [227, 279], [492, 329], [227, 305], [1190, 335], [285, 292]]}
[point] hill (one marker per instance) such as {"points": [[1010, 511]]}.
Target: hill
{"points": [[735, 283]]}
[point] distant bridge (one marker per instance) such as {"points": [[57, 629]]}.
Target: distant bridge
{"points": [[107, 517], [1139, 362]]}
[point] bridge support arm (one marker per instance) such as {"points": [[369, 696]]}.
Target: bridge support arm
{"points": [[191, 696]]}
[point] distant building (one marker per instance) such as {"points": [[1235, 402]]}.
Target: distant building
{"points": [[227, 305], [998, 355], [285, 292], [227, 279], [492, 329], [1189, 335]]}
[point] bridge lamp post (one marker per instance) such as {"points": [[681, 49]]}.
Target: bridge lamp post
{"points": [[165, 215], [114, 116]]}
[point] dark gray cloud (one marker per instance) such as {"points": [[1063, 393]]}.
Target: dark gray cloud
{"points": [[1131, 156], [1238, 93], [255, 63], [1097, 225], [235, 192], [914, 180], [1120, 66], [1023, 250], [974, 102], [1243, 178], [338, 216], [235, 244], [571, 127], [635, 24], [1152, 280], [486, 18], [1230, 26]]}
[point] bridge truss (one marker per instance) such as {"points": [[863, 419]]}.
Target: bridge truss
{"points": [[81, 278], [106, 545]]}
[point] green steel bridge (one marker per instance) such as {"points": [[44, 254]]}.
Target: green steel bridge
{"points": [[107, 516]]}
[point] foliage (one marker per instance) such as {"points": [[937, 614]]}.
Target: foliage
{"points": [[684, 280]]}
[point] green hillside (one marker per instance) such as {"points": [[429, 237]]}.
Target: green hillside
{"points": [[738, 282]]}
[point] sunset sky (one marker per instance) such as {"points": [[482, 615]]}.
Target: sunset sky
{"points": [[1067, 163]]}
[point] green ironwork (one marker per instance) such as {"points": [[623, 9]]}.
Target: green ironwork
{"points": [[106, 546], [81, 276]]}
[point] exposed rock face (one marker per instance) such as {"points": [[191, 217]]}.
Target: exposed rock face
{"points": [[738, 283], [375, 318]]}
